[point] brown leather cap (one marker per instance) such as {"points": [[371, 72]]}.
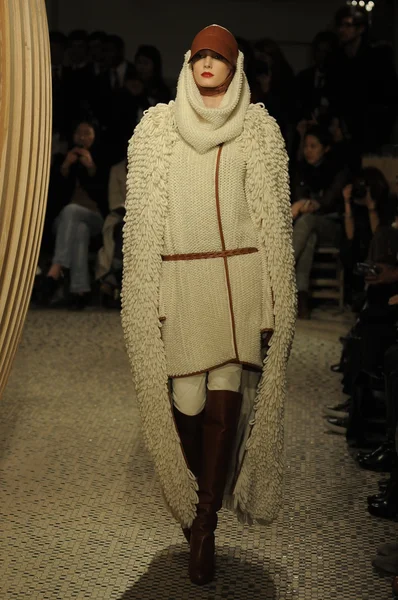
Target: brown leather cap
{"points": [[219, 40]]}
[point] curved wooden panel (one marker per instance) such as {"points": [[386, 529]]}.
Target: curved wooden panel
{"points": [[25, 145]]}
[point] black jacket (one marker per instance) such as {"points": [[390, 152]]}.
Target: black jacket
{"points": [[323, 183]]}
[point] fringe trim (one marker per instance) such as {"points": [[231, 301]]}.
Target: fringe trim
{"points": [[149, 157], [258, 491]]}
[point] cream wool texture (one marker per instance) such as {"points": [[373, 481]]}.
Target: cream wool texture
{"points": [[254, 163]]}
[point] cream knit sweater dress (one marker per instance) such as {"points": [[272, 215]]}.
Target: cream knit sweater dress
{"points": [[208, 264], [215, 292]]}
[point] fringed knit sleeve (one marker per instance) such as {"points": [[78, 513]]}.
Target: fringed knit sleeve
{"points": [[259, 488], [149, 158]]}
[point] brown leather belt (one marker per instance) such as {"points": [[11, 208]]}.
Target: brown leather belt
{"points": [[202, 255]]}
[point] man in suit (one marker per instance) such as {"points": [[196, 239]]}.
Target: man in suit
{"points": [[362, 81], [58, 43], [106, 92], [96, 51], [78, 76], [311, 83]]}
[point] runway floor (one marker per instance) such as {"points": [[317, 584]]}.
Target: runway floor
{"points": [[81, 512]]}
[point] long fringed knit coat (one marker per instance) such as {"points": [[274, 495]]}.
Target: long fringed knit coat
{"points": [[209, 266]]}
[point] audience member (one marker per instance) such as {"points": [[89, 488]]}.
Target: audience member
{"points": [[148, 63], [366, 203], [128, 106], [362, 83], [96, 52], [60, 121], [316, 201], [249, 66], [313, 102], [343, 150], [282, 90], [112, 78], [110, 258], [82, 184], [78, 77]]}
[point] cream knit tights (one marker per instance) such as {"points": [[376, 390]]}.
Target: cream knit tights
{"points": [[189, 393]]}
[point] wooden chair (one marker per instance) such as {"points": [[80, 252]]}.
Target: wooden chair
{"points": [[327, 275]]}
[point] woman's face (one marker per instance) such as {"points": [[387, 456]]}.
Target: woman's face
{"points": [[210, 69], [84, 136], [313, 150], [144, 66]]}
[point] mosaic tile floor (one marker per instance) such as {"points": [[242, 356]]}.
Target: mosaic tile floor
{"points": [[80, 509]]}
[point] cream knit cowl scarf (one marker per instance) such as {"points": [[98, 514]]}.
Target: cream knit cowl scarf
{"points": [[205, 128]]}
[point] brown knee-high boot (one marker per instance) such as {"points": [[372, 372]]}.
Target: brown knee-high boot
{"points": [[219, 429], [190, 432]]}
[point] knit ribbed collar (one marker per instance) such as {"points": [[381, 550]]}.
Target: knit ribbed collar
{"points": [[205, 128]]}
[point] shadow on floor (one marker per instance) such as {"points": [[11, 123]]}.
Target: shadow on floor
{"points": [[167, 579]]}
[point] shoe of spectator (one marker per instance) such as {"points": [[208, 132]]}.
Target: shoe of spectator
{"points": [[77, 301], [336, 368], [366, 455], [383, 484], [376, 498], [383, 459], [47, 289], [387, 549], [340, 411], [384, 509], [387, 564], [337, 425]]}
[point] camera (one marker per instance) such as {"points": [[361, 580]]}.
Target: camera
{"points": [[364, 269], [359, 189]]}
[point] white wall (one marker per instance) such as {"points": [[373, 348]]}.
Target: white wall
{"points": [[171, 26]]}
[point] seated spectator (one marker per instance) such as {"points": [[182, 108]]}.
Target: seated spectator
{"points": [[366, 203], [61, 120], [264, 94], [96, 52], [148, 63], [384, 253], [78, 76], [82, 183], [282, 92], [127, 109], [110, 258], [311, 83], [259, 77], [316, 201], [362, 84], [118, 68], [105, 97], [343, 150], [249, 66]]}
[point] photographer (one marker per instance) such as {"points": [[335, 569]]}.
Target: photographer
{"points": [[81, 191], [365, 204]]}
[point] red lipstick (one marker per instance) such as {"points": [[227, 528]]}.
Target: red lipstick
{"points": [[207, 74]]}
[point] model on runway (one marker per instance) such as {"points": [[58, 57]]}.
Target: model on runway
{"points": [[209, 299]]}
